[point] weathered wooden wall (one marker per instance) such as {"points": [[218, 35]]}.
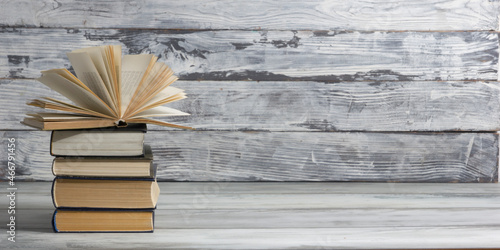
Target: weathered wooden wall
{"points": [[291, 14], [283, 90]]}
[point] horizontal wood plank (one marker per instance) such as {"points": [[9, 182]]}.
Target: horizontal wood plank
{"points": [[306, 106], [190, 204], [289, 238], [323, 218], [448, 216], [296, 156], [176, 218], [292, 14], [269, 55], [207, 188], [204, 210], [215, 188]]}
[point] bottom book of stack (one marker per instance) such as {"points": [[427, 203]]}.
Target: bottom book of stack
{"points": [[87, 220], [110, 202]]}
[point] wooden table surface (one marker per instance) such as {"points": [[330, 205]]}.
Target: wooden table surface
{"points": [[306, 215]]}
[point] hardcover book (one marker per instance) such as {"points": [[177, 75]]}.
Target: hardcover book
{"points": [[106, 167], [102, 221], [113, 141], [108, 90], [105, 193]]}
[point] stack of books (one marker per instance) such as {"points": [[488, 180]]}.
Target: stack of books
{"points": [[105, 180]]}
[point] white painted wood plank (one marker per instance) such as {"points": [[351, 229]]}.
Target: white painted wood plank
{"points": [[39, 189], [208, 188], [175, 218], [292, 14], [297, 156], [324, 218], [289, 238], [247, 228], [307, 106], [187, 203], [269, 55], [34, 207], [190, 205], [356, 228]]}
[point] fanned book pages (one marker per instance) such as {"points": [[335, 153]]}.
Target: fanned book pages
{"points": [[110, 90]]}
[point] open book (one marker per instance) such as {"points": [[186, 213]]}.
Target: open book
{"points": [[110, 90]]}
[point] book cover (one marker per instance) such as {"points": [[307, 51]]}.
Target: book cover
{"points": [[108, 90], [110, 141], [106, 166], [103, 221], [98, 193]]}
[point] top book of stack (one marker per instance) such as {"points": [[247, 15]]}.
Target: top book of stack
{"points": [[110, 90], [109, 142]]}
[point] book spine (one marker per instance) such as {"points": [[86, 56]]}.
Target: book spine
{"points": [[51, 142], [153, 170], [153, 216], [53, 167], [100, 179], [54, 224], [52, 193]]}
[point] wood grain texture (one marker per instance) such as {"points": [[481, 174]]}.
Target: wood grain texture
{"points": [[236, 189], [192, 14], [252, 208], [284, 215], [327, 201], [287, 238], [177, 218], [296, 156], [269, 55], [307, 106]]}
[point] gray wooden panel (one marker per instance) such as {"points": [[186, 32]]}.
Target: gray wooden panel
{"points": [[270, 14], [297, 156], [307, 106], [269, 55]]}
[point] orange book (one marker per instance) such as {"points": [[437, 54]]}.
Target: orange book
{"points": [[105, 193], [102, 221]]}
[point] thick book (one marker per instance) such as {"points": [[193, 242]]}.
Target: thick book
{"points": [[105, 193], [119, 167], [79, 221], [113, 141], [108, 90]]}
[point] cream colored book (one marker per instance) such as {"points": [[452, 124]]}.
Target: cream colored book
{"points": [[108, 90]]}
